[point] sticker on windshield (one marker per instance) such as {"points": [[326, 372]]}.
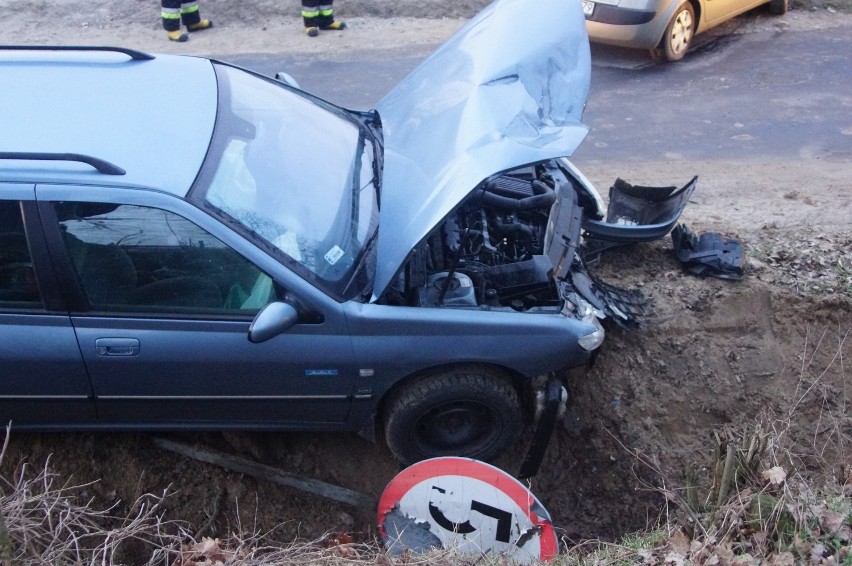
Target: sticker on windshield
{"points": [[333, 255]]}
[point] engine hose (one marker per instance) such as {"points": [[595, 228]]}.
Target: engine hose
{"points": [[524, 231], [544, 196]]}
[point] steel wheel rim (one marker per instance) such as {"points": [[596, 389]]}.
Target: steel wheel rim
{"points": [[456, 424]]}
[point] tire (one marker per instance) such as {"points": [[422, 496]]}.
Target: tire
{"points": [[678, 35], [469, 412], [777, 7]]}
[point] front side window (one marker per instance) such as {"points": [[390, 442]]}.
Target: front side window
{"points": [[18, 288], [295, 175], [136, 258]]}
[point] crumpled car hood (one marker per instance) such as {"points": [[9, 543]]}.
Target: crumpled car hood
{"points": [[506, 90]]}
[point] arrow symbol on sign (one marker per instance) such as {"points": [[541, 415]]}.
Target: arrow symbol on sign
{"points": [[446, 524], [503, 518]]}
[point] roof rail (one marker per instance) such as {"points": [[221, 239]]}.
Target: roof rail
{"points": [[132, 53], [102, 166]]}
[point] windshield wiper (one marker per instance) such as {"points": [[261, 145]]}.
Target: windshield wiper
{"points": [[361, 266], [360, 273]]}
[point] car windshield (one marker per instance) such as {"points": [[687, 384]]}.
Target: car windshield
{"points": [[295, 174]]}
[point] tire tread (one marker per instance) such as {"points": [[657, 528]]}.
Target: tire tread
{"points": [[476, 383]]}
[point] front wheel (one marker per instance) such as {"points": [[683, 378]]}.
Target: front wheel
{"points": [[467, 412], [678, 35]]}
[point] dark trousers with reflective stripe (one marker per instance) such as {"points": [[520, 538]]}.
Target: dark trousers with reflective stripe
{"points": [[175, 11], [317, 13]]}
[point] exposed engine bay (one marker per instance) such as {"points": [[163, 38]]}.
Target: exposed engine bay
{"points": [[514, 244], [491, 250]]}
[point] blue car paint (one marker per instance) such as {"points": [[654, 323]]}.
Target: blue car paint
{"points": [[159, 138], [333, 372], [507, 89]]}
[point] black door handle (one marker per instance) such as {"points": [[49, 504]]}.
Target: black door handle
{"points": [[117, 346]]}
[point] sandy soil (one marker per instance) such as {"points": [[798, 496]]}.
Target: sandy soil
{"points": [[718, 354]]}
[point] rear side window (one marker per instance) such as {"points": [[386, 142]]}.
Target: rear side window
{"points": [[141, 259], [18, 288]]}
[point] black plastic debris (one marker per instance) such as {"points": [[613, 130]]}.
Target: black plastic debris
{"points": [[638, 213], [708, 254], [627, 307], [554, 396]]}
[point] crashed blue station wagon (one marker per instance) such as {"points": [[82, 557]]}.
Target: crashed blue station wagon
{"points": [[204, 269]]}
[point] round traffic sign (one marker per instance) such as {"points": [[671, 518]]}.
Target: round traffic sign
{"points": [[467, 505]]}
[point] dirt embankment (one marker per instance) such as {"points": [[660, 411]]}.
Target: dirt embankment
{"points": [[718, 354]]}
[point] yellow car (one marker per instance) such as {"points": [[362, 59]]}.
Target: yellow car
{"points": [[665, 27]]}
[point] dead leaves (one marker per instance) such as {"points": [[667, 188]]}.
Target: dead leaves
{"points": [[777, 521], [775, 475], [342, 545], [813, 263], [679, 550], [820, 534], [834, 524], [208, 552], [236, 552]]}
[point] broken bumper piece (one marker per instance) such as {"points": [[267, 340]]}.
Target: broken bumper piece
{"points": [[635, 214], [640, 214], [627, 307], [708, 254]]}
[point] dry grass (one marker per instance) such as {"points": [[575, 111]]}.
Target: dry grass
{"points": [[47, 521], [762, 499]]}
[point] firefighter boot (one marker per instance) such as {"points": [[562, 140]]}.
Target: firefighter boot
{"points": [[177, 35], [201, 25], [334, 26]]}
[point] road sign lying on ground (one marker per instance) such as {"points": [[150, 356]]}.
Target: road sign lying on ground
{"points": [[467, 505]]}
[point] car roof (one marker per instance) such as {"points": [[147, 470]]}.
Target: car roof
{"points": [[149, 115]]}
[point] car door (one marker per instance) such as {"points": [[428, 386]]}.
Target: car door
{"points": [[43, 381], [718, 11], [161, 305]]}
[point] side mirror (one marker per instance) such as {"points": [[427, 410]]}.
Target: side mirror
{"points": [[272, 320], [287, 79]]}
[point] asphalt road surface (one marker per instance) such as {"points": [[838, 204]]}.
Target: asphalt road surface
{"points": [[770, 92]]}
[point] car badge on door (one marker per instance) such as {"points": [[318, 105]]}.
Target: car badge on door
{"points": [[320, 372]]}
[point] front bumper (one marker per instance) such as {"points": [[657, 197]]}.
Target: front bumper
{"points": [[616, 16], [625, 27]]}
